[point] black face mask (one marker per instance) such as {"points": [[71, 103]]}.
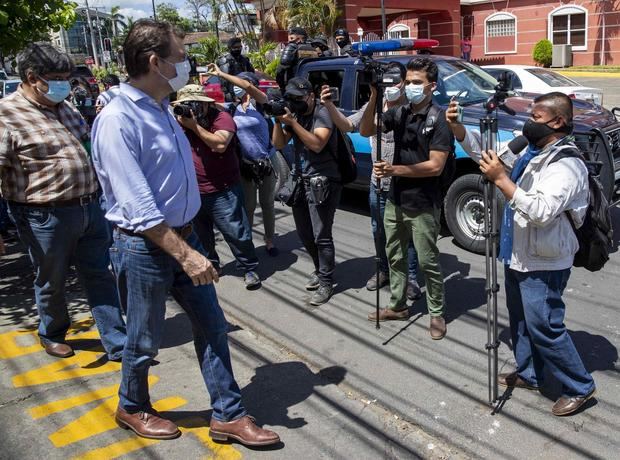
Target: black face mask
{"points": [[535, 132], [235, 52], [341, 43], [298, 107]]}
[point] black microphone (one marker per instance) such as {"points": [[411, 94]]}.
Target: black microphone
{"points": [[511, 152]]}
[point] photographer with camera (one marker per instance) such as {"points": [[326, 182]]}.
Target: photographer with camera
{"points": [[211, 133], [413, 208], [545, 189], [297, 48], [318, 187], [394, 97], [254, 135]]}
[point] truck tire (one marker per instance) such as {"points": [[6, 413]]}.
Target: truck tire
{"points": [[464, 211]]}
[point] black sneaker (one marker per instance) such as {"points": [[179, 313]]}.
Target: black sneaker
{"points": [[251, 279], [384, 280], [413, 290], [322, 294], [313, 282]]}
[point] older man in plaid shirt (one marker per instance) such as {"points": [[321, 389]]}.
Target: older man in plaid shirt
{"points": [[48, 180]]}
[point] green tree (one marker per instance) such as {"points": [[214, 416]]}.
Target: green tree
{"points": [[542, 53], [168, 12], [260, 59], [316, 16], [120, 38], [207, 50], [25, 21], [118, 20]]}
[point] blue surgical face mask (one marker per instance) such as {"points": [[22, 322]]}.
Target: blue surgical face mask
{"points": [[239, 92], [57, 90], [415, 93], [392, 93]]}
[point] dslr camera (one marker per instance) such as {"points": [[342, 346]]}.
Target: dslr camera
{"points": [[276, 107], [185, 109], [379, 74]]}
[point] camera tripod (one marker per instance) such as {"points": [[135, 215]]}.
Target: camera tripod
{"points": [[379, 122], [489, 135]]}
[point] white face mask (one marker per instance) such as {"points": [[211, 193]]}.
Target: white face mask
{"points": [[392, 93], [182, 77], [415, 93]]}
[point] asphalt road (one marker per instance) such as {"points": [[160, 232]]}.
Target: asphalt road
{"points": [[609, 85]]}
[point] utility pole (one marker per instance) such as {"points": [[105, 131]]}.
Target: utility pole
{"points": [[154, 12], [99, 30], [92, 34]]}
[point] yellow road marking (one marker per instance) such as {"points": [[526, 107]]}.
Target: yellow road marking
{"points": [[117, 449], [53, 407], [66, 369], [11, 343], [101, 419], [568, 73], [196, 426]]}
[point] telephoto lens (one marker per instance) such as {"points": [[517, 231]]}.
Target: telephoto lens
{"points": [[182, 110]]}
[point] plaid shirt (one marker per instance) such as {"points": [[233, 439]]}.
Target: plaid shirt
{"points": [[42, 158]]}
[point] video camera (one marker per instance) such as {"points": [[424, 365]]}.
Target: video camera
{"points": [[379, 74], [498, 99]]}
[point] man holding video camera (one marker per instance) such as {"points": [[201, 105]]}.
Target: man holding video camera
{"points": [[211, 133], [538, 244], [413, 209], [394, 97], [318, 187]]}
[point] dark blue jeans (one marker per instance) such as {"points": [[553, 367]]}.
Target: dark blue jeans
{"points": [[377, 211], [539, 336], [4, 216], [146, 275], [226, 210], [55, 238]]}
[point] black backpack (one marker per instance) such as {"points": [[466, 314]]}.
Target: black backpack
{"points": [[434, 112], [345, 157], [595, 236]]}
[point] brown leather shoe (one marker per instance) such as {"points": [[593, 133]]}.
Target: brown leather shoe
{"points": [[567, 405], [147, 424], [244, 430], [438, 327], [58, 350], [512, 379], [387, 314]]}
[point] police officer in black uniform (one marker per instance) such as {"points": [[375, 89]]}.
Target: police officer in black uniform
{"points": [[344, 43], [297, 49], [233, 63], [320, 45]]}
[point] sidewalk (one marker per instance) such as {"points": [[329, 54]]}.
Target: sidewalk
{"points": [[64, 408], [589, 73]]}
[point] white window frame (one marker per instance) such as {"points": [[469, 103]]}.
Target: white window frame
{"points": [[567, 10], [502, 16], [400, 27]]}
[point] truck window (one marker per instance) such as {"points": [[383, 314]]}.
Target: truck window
{"points": [[319, 78], [362, 95]]}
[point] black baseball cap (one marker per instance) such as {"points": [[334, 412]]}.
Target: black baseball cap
{"points": [[298, 31], [298, 86]]}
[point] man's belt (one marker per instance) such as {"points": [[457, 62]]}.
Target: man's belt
{"points": [[79, 201], [183, 231]]}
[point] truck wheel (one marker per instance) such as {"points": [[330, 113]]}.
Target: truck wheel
{"points": [[464, 211]]}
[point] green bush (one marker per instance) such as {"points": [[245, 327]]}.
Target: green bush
{"points": [[542, 52]]}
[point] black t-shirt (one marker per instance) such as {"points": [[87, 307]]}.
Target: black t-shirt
{"points": [[312, 163], [416, 194]]}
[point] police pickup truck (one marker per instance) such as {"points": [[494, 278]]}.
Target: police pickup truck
{"points": [[597, 130]]}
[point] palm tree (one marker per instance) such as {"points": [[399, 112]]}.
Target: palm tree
{"points": [[316, 16], [117, 20]]}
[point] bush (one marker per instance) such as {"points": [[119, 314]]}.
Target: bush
{"points": [[542, 52]]}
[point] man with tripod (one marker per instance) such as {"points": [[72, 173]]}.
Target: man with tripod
{"points": [[537, 246], [414, 204]]}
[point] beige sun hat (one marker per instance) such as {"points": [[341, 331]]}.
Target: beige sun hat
{"points": [[192, 93]]}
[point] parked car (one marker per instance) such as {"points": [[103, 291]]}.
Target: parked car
{"points": [[597, 131], [531, 81], [8, 86], [84, 72]]}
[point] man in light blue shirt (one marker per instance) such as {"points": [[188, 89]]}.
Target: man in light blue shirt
{"points": [[144, 163]]}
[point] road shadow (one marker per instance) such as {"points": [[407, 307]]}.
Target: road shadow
{"points": [[17, 303], [615, 220]]}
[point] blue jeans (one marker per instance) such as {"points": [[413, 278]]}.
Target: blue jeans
{"points": [[55, 238], [226, 211], [377, 211], [145, 276], [539, 336], [4, 216]]}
